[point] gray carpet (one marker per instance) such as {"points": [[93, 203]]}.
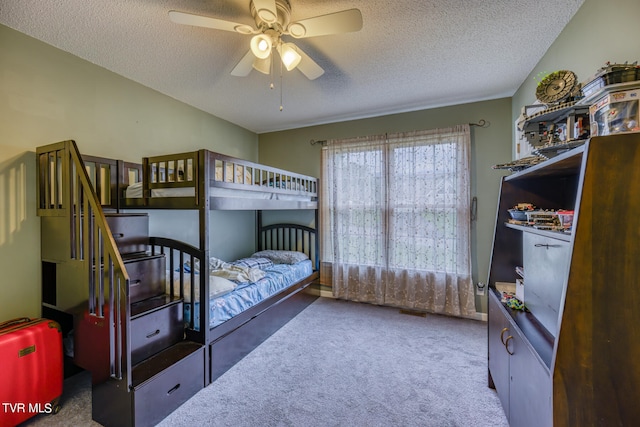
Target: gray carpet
{"points": [[340, 363]]}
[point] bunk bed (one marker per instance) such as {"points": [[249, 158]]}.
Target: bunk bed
{"points": [[204, 180], [218, 326]]}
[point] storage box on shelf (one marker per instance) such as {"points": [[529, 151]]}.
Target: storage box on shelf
{"points": [[570, 358], [615, 112]]}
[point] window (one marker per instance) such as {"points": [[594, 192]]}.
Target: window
{"points": [[395, 212]]}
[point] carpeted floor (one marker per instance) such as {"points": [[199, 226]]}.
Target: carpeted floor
{"points": [[340, 363]]}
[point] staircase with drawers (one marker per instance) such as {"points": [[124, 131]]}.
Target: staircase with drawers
{"points": [[166, 370], [98, 268]]}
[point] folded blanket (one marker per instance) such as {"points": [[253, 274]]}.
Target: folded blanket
{"points": [[238, 273]]}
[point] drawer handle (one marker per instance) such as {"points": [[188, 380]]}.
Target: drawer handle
{"points": [[154, 333], [136, 282], [502, 335], [176, 387], [506, 344], [118, 235], [547, 246]]}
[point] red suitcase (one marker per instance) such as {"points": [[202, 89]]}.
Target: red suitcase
{"points": [[31, 368]]}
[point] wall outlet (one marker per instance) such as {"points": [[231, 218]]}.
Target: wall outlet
{"points": [[480, 288]]}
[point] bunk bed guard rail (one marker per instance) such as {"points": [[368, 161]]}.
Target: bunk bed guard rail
{"points": [[186, 180]]}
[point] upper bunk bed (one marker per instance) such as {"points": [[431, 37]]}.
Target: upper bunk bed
{"points": [[206, 180]]}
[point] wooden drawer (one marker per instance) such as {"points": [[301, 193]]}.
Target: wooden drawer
{"points": [[165, 391], [147, 276], [153, 331], [130, 231]]}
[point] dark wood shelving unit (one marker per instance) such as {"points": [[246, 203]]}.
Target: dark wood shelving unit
{"points": [[570, 359]]}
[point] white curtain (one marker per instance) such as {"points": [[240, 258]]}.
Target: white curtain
{"points": [[396, 220]]}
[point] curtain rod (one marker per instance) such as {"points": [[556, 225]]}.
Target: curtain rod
{"points": [[482, 123]]}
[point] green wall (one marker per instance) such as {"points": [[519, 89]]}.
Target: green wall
{"points": [[47, 95], [490, 145]]}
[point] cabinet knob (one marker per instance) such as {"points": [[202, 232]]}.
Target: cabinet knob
{"points": [[506, 344], [502, 335]]}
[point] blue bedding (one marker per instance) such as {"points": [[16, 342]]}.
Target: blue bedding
{"points": [[246, 295]]}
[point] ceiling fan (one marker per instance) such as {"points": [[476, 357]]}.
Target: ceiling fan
{"points": [[272, 18]]}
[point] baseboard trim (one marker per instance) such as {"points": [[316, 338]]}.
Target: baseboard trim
{"points": [[326, 294], [481, 316]]}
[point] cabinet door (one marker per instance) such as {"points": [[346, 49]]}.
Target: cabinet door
{"points": [[499, 330], [530, 386], [546, 265]]}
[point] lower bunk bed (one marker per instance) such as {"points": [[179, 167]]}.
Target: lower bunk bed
{"points": [[249, 299]]}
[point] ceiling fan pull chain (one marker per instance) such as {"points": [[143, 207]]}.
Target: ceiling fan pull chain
{"points": [[271, 85], [281, 86]]}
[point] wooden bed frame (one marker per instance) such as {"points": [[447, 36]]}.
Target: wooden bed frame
{"points": [[232, 340], [97, 184]]}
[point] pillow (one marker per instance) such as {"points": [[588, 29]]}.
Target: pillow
{"points": [[219, 286], [254, 262], [282, 257]]}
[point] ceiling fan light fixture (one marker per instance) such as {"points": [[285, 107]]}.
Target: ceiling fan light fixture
{"points": [[262, 65], [261, 46], [289, 55]]}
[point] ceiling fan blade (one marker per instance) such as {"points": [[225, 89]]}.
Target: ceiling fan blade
{"points": [[266, 10], [244, 67], [333, 23], [308, 66], [207, 22]]}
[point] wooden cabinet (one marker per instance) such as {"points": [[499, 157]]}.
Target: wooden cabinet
{"points": [[520, 377], [499, 327], [571, 359]]}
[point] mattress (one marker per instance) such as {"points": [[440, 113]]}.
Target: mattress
{"points": [[134, 191], [246, 295]]}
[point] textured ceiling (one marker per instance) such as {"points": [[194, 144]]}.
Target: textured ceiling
{"points": [[409, 55]]}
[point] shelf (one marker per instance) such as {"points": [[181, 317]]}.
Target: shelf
{"points": [[576, 346], [539, 338], [565, 164], [552, 234]]}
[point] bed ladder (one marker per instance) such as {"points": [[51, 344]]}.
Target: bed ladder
{"points": [[87, 259], [87, 277]]}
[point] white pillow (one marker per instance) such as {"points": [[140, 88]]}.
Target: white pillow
{"points": [[282, 257], [219, 286]]}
